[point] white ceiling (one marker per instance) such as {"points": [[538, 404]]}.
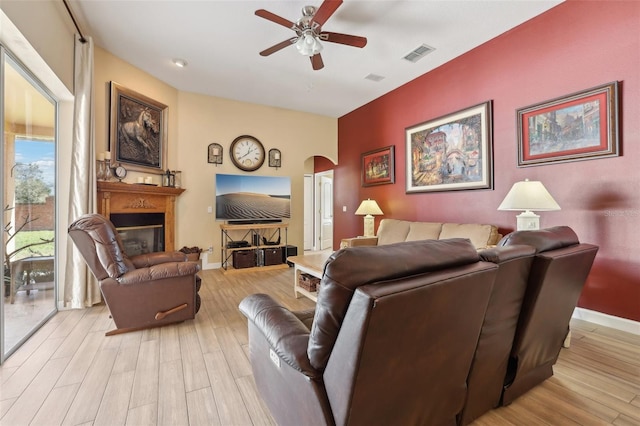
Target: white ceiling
{"points": [[220, 40]]}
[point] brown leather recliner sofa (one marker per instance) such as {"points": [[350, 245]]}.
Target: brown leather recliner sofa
{"points": [[147, 290], [383, 345], [491, 358], [541, 275], [558, 274], [391, 340]]}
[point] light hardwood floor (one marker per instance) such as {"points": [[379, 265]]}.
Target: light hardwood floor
{"points": [[198, 372]]}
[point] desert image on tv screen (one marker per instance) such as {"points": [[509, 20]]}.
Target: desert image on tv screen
{"points": [[249, 197]]}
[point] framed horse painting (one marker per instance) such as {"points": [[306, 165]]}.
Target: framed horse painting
{"points": [[138, 130]]}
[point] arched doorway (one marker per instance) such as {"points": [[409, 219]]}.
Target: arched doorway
{"points": [[318, 204]]}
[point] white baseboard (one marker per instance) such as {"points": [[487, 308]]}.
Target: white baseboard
{"points": [[217, 265], [618, 323]]}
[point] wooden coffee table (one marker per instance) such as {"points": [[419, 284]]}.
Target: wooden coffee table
{"points": [[312, 264]]}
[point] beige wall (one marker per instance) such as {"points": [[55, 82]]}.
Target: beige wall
{"points": [[49, 30], [107, 68], [195, 121]]}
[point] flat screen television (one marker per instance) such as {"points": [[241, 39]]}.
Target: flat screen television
{"points": [[252, 198]]}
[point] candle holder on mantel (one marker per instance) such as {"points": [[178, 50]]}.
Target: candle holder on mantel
{"points": [[100, 169], [108, 172], [103, 167], [169, 179]]}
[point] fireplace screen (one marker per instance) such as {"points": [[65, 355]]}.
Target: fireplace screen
{"points": [[140, 232]]}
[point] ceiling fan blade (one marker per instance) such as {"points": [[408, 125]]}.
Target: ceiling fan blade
{"points": [[316, 62], [276, 47], [351, 40], [326, 9], [275, 18]]}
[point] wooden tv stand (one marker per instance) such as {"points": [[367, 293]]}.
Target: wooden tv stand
{"points": [[231, 234]]}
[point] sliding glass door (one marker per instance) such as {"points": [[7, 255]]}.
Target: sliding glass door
{"points": [[28, 167]]}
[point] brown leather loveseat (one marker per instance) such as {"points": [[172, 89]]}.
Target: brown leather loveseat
{"points": [[391, 340], [147, 290]]}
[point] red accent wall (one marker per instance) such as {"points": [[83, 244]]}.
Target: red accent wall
{"points": [[574, 46], [322, 164]]}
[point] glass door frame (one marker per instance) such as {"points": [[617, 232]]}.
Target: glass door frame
{"points": [[5, 56]]}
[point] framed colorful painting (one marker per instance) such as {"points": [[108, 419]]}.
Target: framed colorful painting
{"points": [[451, 153], [378, 166], [580, 126]]}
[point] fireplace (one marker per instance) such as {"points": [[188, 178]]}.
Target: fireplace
{"points": [[144, 215], [141, 233]]}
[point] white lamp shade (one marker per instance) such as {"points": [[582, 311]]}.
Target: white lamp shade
{"points": [[529, 195], [369, 206]]}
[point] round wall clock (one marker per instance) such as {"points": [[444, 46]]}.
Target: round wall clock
{"points": [[247, 153]]}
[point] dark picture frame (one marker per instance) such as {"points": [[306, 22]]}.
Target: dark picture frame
{"points": [[378, 166], [451, 153], [579, 126], [138, 130]]}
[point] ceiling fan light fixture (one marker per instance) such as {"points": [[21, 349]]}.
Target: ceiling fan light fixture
{"points": [[308, 44], [309, 33]]}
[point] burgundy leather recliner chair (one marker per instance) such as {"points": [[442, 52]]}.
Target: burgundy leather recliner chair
{"points": [[143, 291], [391, 342]]}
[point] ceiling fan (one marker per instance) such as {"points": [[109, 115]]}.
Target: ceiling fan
{"points": [[309, 32]]}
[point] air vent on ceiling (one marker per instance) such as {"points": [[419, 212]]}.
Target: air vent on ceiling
{"points": [[374, 77], [418, 53]]}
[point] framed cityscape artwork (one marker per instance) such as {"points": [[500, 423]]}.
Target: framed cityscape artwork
{"points": [[451, 153], [378, 166], [580, 126]]}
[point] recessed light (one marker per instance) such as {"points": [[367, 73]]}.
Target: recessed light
{"points": [[180, 63]]}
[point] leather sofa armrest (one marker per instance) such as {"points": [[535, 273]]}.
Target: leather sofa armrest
{"points": [[306, 316], [159, 272], [358, 241], [284, 331], [156, 258]]}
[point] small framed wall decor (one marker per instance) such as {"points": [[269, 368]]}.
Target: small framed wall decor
{"points": [[579, 126], [378, 166], [275, 158], [214, 154], [451, 153]]}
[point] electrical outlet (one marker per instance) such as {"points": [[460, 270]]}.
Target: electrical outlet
{"points": [[210, 209], [210, 250]]}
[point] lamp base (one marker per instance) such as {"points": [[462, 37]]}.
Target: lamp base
{"points": [[368, 226], [528, 221]]}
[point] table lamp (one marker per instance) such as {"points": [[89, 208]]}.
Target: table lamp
{"points": [[528, 195], [368, 208]]}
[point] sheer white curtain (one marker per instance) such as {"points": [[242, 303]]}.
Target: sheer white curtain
{"points": [[80, 287]]}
